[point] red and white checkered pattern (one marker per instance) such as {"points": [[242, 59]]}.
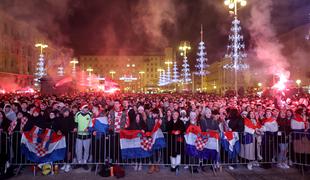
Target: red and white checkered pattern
{"points": [[12, 127], [41, 151], [117, 121], [146, 143], [14, 123], [200, 142]]}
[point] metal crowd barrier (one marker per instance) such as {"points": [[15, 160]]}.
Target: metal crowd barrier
{"points": [[264, 150]]}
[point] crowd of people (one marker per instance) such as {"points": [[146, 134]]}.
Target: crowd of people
{"points": [[264, 125]]}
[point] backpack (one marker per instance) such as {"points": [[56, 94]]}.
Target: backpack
{"points": [[118, 171], [105, 171]]}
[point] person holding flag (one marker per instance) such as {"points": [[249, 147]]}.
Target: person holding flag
{"points": [[155, 120], [117, 119], [98, 127], [270, 128], [251, 130]]}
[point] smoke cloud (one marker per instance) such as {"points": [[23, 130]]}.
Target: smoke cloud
{"points": [[44, 15], [267, 48], [151, 17]]}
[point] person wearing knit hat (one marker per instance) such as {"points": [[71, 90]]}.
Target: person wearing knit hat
{"points": [[83, 119], [83, 106], [9, 113], [183, 116]]}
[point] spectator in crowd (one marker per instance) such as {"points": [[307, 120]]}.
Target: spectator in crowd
{"points": [[64, 125], [270, 128], [82, 118], [175, 129]]}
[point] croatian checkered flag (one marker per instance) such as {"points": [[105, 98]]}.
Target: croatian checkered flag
{"points": [[201, 142], [43, 145], [146, 142]]}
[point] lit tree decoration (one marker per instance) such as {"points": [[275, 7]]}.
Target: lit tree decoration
{"points": [[40, 70], [165, 78], [161, 77], [60, 71], [168, 74], [175, 77], [235, 48], [186, 75], [201, 60]]}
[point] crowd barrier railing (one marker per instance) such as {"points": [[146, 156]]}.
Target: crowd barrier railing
{"points": [[239, 149]]}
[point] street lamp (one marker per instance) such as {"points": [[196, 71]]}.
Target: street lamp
{"points": [[112, 74], [141, 75], [74, 62], [236, 45], [41, 46], [298, 82], [89, 70], [259, 84], [233, 4]]}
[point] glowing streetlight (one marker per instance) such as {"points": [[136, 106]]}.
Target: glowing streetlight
{"points": [[298, 82], [259, 84], [89, 70], [112, 74], [74, 62], [233, 4], [41, 46], [184, 47]]}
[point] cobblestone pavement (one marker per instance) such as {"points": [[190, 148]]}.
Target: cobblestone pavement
{"points": [[240, 173]]}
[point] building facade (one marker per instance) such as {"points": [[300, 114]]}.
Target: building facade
{"points": [[135, 73], [18, 54]]}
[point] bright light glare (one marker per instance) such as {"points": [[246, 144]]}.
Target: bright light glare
{"points": [[231, 5], [280, 85], [226, 2], [243, 3]]}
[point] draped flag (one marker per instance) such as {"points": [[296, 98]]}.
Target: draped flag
{"points": [[43, 145], [99, 125], [230, 143], [202, 144], [137, 144], [249, 130]]}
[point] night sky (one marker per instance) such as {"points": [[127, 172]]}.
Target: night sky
{"points": [[107, 26]]}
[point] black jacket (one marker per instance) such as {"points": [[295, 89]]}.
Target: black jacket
{"points": [[64, 124]]}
